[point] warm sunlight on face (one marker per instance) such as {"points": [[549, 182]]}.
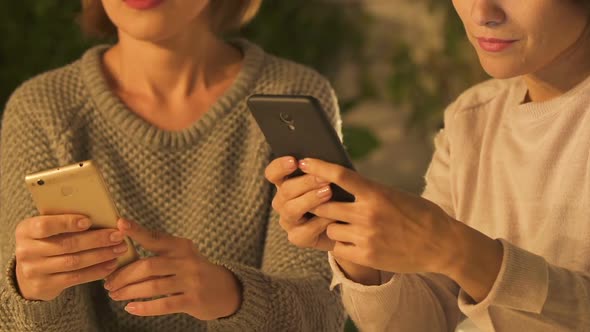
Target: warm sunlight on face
{"points": [[155, 20], [521, 37]]}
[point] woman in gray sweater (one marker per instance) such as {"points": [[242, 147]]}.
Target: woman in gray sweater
{"points": [[163, 113]]}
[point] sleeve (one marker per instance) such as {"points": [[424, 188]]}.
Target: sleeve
{"points": [[408, 302], [290, 292], [529, 293], [25, 147]]}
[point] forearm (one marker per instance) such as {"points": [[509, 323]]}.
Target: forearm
{"points": [[406, 302], [358, 273], [473, 262], [71, 311], [531, 293], [293, 301]]}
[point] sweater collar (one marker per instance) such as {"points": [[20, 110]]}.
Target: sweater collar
{"points": [[120, 117]]}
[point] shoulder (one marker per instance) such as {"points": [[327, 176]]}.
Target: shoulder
{"points": [[482, 95], [277, 75], [287, 75], [281, 76], [48, 96]]}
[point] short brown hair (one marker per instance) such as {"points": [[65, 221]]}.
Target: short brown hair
{"points": [[225, 15]]}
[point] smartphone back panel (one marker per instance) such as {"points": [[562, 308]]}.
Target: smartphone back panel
{"points": [[297, 126], [77, 189]]}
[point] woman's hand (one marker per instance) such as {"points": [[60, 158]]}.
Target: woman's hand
{"points": [[184, 280], [398, 232], [57, 252], [299, 195]]}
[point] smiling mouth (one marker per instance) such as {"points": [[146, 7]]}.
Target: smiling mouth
{"points": [[143, 4], [495, 44]]}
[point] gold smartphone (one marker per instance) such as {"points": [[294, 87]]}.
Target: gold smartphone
{"points": [[77, 189]]}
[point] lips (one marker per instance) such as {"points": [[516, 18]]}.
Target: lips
{"points": [[494, 44], [143, 4]]}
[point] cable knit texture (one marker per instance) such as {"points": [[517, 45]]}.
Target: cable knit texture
{"points": [[204, 183]]}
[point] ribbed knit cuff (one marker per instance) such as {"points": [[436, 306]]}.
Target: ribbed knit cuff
{"points": [[256, 301], [39, 313], [522, 284], [378, 301]]}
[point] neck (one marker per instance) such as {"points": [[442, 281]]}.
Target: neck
{"points": [[563, 74], [174, 68]]}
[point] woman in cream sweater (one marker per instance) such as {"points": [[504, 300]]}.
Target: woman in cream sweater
{"points": [[501, 233]]}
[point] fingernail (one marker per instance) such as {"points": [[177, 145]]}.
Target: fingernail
{"points": [[121, 248], [84, 223], [130, 308], [113, 295], [303, 164], [324, 192], [289, 164], [111, 265], [116, 237], [125, 224], [320, 181], [107, 285]]}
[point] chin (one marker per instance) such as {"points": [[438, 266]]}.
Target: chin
{"points": [[147, 31], [502, 68]]}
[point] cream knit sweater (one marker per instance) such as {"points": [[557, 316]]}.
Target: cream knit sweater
{"points": [[517, 172]]}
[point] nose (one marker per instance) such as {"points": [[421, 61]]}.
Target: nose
{"points": [[487, 13]]}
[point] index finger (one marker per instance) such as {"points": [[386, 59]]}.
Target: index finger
{"points": [[347, 179], [42, 227], [279, 168], [153, 241]]}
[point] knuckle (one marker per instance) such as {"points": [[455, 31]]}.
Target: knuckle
{"points": [[21, 252], [28, 271], [71, 261], [290, 213], [330, 231], [20, 230], [268, 173], [284, 224], [298, 240], [369, 255], [156, 286], [68, 243], [339, 175], [286, 191], [276, 203], [148, 265], [167, 306], [36, 286], [74, 278], [371, 216], [40, 228]]}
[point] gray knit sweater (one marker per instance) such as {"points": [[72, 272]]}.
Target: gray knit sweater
{"points": [[204, 183]]}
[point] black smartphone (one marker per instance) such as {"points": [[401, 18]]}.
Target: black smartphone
{"points": [[296, 125]]}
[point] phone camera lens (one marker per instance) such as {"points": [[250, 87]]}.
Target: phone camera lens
{"points": [[40, 182], [286, 118]]}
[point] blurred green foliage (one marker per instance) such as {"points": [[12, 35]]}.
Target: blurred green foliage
{"points": [[36, 36], [429, 86]]}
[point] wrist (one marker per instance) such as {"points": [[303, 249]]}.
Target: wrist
{"points": [[232, 301], [358, 273], [476, 261]]}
